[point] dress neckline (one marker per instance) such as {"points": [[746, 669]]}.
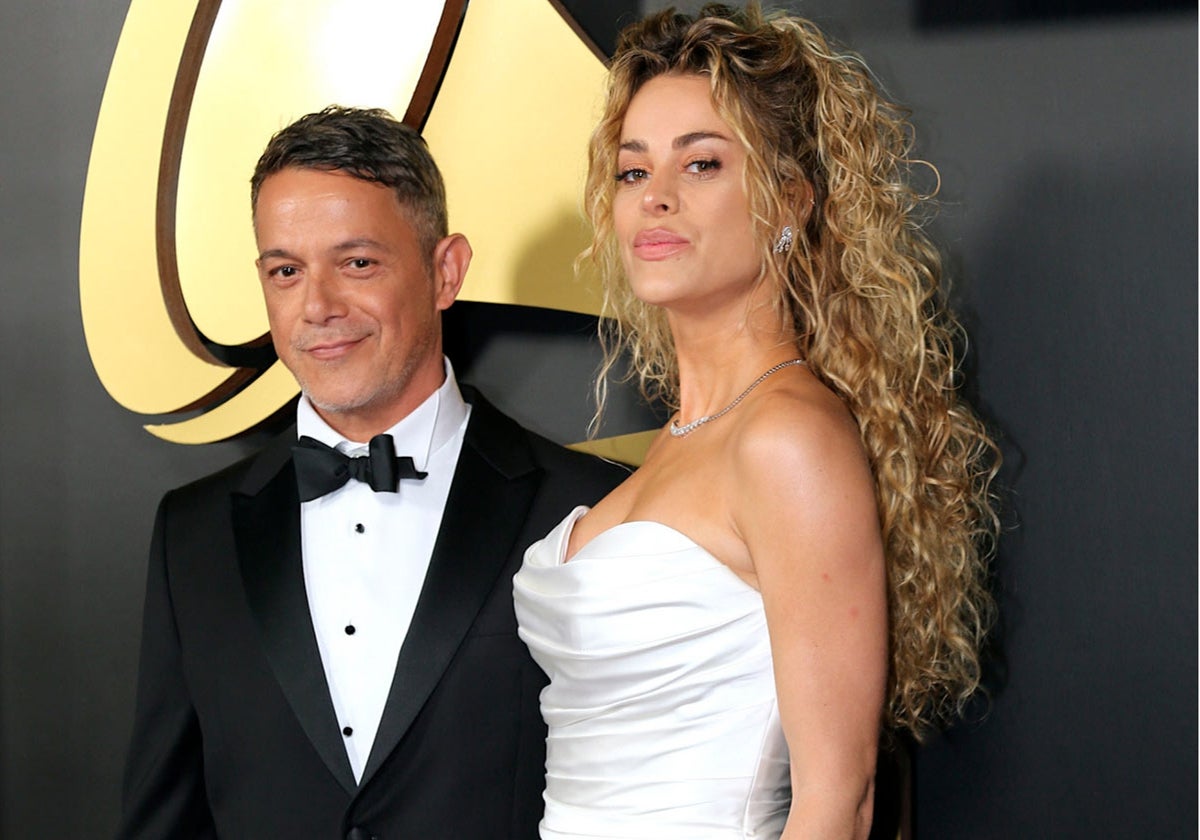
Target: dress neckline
{"points": [[665, 539], [567, 527]]}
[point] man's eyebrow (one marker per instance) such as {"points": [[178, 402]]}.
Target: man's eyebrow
{"points": [[348, 245], [359, 242]]}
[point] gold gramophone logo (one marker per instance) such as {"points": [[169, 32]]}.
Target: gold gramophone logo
{"points": [[504, 91]]}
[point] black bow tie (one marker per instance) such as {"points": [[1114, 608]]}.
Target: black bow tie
{"points": [[321, 469]]}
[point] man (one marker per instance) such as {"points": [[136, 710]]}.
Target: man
{"points": [[325, 656]]}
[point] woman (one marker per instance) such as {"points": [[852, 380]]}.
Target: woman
{"points": [[799, 561]]}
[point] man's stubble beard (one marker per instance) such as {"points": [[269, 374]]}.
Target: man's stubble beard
{"points": [[387, 391]]}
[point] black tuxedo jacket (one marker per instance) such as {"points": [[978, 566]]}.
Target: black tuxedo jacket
{"points": [[234, 731]]}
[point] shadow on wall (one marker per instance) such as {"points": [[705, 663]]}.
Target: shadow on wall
{"points": [[1082, 313]]}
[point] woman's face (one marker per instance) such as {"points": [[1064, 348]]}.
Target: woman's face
{"points": [[680, 214]]}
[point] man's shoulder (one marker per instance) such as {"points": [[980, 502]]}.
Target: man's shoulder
{"points": [[236, 476], [549, 453], [494, 428]]}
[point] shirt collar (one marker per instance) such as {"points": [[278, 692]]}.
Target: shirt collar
{"points": [[422, 432]]}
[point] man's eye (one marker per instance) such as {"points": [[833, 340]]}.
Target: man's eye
{"points": [[360, 262], [285, 271]]}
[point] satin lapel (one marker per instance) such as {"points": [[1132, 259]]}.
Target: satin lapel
{"points": [[494, 485], [266, 520]]}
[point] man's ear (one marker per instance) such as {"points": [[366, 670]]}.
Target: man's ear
{"points": [[451, 258]]}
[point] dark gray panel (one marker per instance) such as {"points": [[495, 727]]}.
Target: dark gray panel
{"points": [[1070, 170]]}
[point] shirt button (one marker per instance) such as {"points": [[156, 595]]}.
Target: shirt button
{"points": [[350, 630], [359, 528], [347, 731]]}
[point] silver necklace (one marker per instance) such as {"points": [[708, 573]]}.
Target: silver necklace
{"points": [[679, 431]]}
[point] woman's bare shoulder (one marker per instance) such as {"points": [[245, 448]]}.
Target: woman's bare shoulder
{"points": [[804, 500], [803, 429]]}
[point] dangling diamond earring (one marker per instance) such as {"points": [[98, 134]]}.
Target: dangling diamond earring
{"points": [[784, 241]]}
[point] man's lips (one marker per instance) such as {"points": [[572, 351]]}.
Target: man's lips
{"points": [[658, 244], [330, 348]]}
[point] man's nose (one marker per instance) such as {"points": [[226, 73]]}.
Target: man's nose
{"points": [[323, 296]]}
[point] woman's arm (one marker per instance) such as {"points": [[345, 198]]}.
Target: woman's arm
{"points": [[805, 508]]}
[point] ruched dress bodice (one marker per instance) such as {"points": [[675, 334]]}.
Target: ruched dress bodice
{"points": [[661, 707]]}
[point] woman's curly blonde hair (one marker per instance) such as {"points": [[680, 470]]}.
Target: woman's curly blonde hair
{"points": [[860, 288]]}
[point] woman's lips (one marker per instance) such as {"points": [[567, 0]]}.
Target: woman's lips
{"points": [[658, 244]]}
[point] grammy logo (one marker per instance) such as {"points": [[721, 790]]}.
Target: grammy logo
{"points": [[504, 91]]}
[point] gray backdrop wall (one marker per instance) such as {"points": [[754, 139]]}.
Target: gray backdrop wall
{"points": [[1068, 154]]}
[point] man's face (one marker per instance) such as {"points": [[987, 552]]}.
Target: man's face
{"points": [[354, 306]]}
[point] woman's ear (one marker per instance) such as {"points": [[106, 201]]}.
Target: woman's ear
{"points": [[799, 202], [805, 201]]}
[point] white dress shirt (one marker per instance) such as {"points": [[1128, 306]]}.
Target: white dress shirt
{"points": [[366, 555]]}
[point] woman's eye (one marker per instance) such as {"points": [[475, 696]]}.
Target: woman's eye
{"points": [[701, 167], [631, 175]]}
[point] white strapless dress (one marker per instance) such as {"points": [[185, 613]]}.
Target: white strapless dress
{"points": [[661, 706]]}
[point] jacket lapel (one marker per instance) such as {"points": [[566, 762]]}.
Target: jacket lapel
{"points": [[493, 488], [266, 521]]}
